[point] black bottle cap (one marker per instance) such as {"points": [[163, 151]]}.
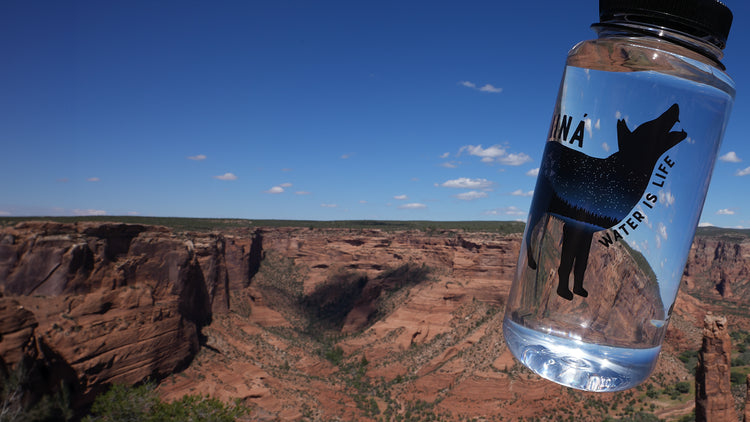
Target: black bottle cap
{"points": [[709, 20]]}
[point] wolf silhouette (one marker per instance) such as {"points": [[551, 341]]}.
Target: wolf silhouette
{"points": [[591, 194]]}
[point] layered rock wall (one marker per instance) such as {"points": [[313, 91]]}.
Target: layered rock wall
{"points": [[719, 267], [713, 393], [98, 303], [125, 302]]}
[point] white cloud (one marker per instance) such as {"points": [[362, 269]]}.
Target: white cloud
{"points": [[662, 230], [514, 159], [93, 179], [449, 165], [275, 189], [471, 195], [705, 224], [302, 192], [485, 88], [286, 185], [412, 206], [445, 155], [401, 197], [362, 201], [492, 152], [666, 198], [514, 211], [589, 126], [4, 213], [199, 157], [743, 172], [730, 157], [132, 212], [329, 205], [466, 183], [226, 176], [519, 192], [605, 146], [495, 153], [345, 156], [88, 212], [490, 88], [533, 172], [725, 211]]}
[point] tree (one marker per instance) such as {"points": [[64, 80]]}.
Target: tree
{"points": [[141, 404]]}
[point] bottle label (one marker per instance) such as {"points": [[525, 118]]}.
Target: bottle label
{"points": [[592, 194]]}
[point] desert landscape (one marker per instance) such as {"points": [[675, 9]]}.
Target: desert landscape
{"points": [[371, 321]]}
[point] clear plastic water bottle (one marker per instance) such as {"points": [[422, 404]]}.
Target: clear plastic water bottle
{"points": [[637, 125]]}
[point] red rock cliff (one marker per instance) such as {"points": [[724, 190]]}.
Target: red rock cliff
{"points": [[713, 394]]}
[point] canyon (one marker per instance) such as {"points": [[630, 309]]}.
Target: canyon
{"points": [[322, 323]]}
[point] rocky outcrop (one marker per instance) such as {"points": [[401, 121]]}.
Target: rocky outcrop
{"points": [[713, 395], [718, 267], [17, 326], [465, 256], [113, 302]]}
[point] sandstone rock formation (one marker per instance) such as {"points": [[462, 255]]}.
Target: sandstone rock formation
{"points": [[713, 395], [228, 314], [719, 267], [113, 302]]}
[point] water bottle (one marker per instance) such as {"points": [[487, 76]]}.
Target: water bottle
{"points": [[637, 125]]}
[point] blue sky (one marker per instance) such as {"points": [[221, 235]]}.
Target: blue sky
{"points": [[300, 110]]}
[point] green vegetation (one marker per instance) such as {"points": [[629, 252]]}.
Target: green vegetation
{"points": [[690, 359], [175, 223], [335, 355], [20, 400], [181, 224], [740, 358], [141, 404], [729, 234]]}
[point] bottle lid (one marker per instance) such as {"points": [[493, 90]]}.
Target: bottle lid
{"points": [[709, 20]]}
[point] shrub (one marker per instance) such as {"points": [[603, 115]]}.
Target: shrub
{"points": [[197, 408], [141, 404], [737, 378], [22, 401], [682, 387], [335, 355], [123, 404]]}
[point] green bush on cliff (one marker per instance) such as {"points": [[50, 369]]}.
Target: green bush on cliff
{"points": [[141, 404], [22, 400]]}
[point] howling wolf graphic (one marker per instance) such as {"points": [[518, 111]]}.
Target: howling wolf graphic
{"points": [[591, 194]]}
